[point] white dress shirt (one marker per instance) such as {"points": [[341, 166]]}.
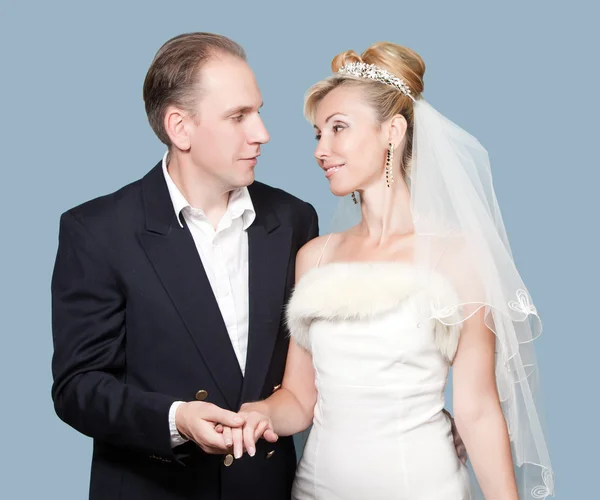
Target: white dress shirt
{"points": [[224, 255]]}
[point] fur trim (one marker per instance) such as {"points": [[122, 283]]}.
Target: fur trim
{"points": [[359, 290]]}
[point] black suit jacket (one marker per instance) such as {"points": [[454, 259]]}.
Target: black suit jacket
{"points": [[136, 327]]}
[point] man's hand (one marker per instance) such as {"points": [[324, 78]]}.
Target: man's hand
{"points": [[461, 451], [196, 421]]}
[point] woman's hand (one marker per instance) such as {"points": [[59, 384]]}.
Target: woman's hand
{"points": [[257, 424]]}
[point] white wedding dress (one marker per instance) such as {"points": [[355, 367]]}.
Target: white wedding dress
{"points": [[380, 371]]}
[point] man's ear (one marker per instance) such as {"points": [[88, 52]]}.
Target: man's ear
{"points": [[176, 123]]}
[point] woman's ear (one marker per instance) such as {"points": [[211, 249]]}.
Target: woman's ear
{"points": [[398, 126]]}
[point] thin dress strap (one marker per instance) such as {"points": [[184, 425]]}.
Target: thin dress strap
{"points": [[324, 247]]}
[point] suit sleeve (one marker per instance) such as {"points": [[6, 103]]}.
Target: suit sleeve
{"points": [[90, 390]]}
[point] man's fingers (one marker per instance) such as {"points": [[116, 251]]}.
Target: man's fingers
{"points": [[205, 435], [224, 417], [215, 441], [219, 428]]}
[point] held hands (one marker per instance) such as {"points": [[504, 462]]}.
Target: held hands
{"points": [[256, 424], [198, 420]]}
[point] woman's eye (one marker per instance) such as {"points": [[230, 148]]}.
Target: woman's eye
{"points": [[337, 128]]}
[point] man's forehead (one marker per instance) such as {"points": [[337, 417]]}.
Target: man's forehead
{"points": [[226, 71], [232, 83]]}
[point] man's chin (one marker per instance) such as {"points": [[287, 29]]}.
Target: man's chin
{"points": [[243, 181], [247, 179]]}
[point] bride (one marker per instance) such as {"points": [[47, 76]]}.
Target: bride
{"points": [[423, 281]]}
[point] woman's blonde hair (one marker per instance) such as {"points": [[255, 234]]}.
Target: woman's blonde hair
{"points": [[386, 100]]}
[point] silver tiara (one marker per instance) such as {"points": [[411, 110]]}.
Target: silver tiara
{"points": [[364, 70]]}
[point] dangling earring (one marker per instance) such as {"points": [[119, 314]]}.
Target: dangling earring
{"points": [[389, 173], [354, 198]]}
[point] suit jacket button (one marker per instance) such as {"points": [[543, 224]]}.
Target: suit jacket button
{"points": [[228, 460], [201, 395], [277, 387], [271, 453]]}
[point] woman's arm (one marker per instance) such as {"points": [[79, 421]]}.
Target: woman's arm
{"points": [[290, 409], [477, 411]]}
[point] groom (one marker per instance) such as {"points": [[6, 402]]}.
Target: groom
{"points": [[172, 290], [167, 295]]}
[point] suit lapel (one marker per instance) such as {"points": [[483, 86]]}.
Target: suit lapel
{"points": [[269, 246], [173, 253]]}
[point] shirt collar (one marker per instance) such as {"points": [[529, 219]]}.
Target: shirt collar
{"points": [[240, 203]]}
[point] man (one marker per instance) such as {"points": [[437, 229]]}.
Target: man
{"points": [[167, 296], [172, 289]]}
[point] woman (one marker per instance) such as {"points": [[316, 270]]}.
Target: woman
{"points": [[425, 280]]}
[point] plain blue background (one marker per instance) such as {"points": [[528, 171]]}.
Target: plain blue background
{"points": [[520, 76]]}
